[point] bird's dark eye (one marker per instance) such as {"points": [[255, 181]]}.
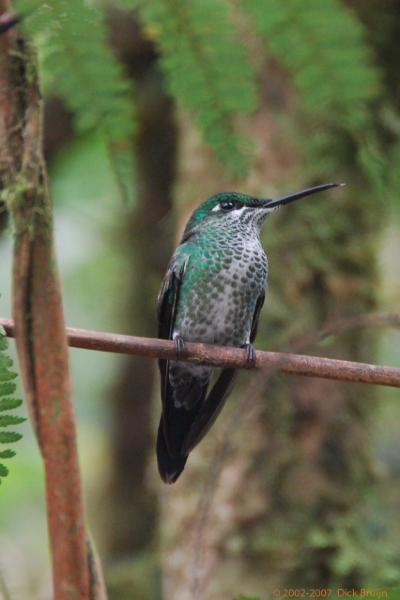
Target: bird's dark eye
{"points": [[229, 205]]}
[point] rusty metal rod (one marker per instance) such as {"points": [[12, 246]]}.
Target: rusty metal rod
{"points": [[223, 356]]}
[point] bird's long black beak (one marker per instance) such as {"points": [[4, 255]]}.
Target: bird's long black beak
{"points": [[297, 195]]}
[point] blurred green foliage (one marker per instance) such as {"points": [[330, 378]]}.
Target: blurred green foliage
{"points": [[81, 174], [79, 66], [208, 70], [325, 50]]}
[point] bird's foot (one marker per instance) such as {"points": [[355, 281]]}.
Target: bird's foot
{"points": [[179, 346], [250, 355]]}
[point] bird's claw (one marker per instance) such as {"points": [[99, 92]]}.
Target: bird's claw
{"points": [[179, 346], [250, 355]]}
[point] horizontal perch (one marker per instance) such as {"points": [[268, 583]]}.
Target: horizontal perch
{"points": [[224, 356]]}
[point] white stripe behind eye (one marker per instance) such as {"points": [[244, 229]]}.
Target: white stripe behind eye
{"points": [[239, 211], [234, 211]]}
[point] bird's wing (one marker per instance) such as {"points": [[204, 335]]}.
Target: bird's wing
{"points": [[256, 316], [176, 418], [168, 299], [216, 399], [167, 305]]}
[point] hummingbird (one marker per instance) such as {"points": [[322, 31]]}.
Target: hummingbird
{"points": [[213, 292]]}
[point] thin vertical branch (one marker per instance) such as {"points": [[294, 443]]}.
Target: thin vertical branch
{"points": [[38, 313]]}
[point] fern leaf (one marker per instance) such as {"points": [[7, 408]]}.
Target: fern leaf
{"points": [[7, 403], [206, 68], [322, 44], [80, 67]]}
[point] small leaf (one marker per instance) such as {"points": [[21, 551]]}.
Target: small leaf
{"points": [[9, 437], [6, 375], [9, 403], [5, 361], [7, 388], [7, 454], [6, 420], [3, 470]]}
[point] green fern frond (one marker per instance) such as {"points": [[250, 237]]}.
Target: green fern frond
{"points": [[206, 68], [79, 66], [322, 45], [7, 403]]}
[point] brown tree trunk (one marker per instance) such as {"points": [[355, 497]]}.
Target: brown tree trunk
{"points": [[39, 322]]}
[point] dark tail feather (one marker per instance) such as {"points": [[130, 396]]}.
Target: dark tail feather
{"points": [[210, 410], [181, 406], [169, 467]]}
